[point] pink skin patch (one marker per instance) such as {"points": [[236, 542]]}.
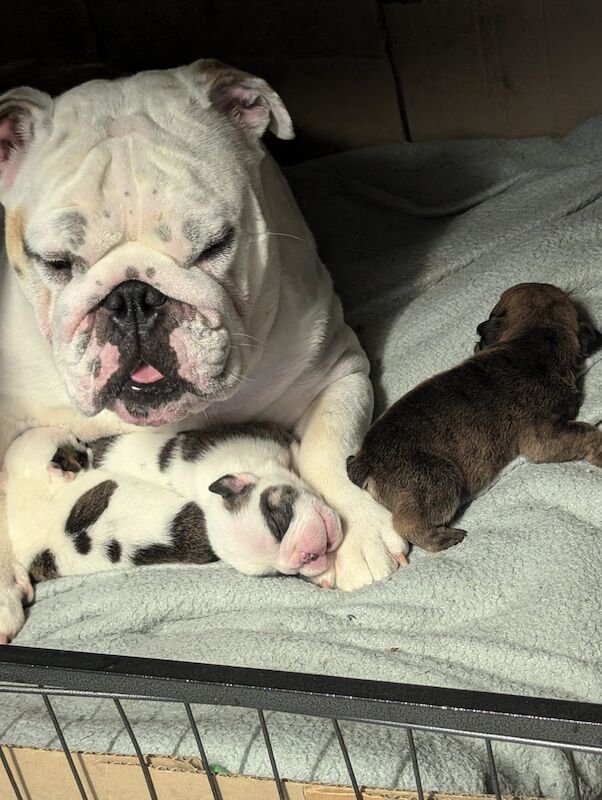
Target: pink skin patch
{"points": [[80, 326], [170, 412], [11, 141], [180, 342], [25, 586], [334, 532], [308, 552], [109, 363], [57, 472]]}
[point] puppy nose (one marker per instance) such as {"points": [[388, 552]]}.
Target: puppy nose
{"points": [[134, 303]]}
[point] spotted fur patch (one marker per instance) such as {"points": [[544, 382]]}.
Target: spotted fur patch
{"points": [[197, 443], [189, 541], [72, 225], [167, 453], [82, 543], [86, 511], [277, 504], [43, 567], [114, 550], [100, 448]]}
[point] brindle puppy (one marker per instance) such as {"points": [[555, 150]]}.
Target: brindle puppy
{"points": [[448, 438]]}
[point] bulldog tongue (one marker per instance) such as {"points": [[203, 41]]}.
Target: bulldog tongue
{"points": [[145, 373]]}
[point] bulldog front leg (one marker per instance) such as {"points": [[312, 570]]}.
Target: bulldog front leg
{"points": [[15, 586], [332, 429]]}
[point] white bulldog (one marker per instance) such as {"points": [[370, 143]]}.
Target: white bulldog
{"points": [[158, 272]]}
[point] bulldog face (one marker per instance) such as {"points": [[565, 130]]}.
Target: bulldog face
{"points": [[134, 224]]}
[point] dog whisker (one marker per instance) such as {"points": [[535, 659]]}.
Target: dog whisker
{"points": [[276, 233], [240, 378], [245, 336]]}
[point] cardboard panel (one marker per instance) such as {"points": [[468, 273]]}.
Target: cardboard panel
{"points": [[159, 33], [496, 67], [336, 104], [44, 775], [327, 60]]}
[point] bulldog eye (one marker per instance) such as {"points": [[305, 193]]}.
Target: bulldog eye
{"points": [[58, 264], [217, 247]]}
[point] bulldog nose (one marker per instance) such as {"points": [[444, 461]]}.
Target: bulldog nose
{"points": [[134, 303]]}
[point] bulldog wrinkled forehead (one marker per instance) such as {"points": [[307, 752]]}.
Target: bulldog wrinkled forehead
{"points": [[159, 157], [213, 111], [133, 222]]}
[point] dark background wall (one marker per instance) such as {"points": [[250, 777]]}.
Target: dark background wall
{"points": [[352, 72]]}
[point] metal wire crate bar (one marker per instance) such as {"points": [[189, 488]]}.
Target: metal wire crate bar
{"points": [[529, 719], [568, 726]]}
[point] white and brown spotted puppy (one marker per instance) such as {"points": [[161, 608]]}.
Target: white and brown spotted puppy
{"points": [[66, 519], [274, 522], [126, 513]]}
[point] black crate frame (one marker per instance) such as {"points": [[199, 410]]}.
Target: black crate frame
{"points": [[568, 726]]}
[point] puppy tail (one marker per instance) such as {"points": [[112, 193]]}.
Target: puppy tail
{"points": [[358, 471]]}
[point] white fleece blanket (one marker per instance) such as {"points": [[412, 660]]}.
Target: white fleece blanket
{"points": [[515, 608]]}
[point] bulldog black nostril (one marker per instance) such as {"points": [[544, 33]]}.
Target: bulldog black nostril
{"points": [[113, 301], [154, 298], [134, 302]]}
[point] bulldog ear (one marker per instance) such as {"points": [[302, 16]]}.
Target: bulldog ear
{"points": [[230, 486], [22, 112], [247, 100]]}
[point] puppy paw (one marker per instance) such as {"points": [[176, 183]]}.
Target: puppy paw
{"points": [[70, 458], [371, 549], [596, 457], [443, 538], [15, 587]]}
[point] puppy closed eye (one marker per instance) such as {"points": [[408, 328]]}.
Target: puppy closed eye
{"points": [[590, 339], [489, 331]]}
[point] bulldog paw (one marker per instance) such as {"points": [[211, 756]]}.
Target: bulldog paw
{"points": [[371, 549], [15, 587]]}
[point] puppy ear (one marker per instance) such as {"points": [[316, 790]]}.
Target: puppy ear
{"points": [[590, 339], [230, 486], [490, 332], [23, 112], [357, 470], [3, 481], [247, 100]]}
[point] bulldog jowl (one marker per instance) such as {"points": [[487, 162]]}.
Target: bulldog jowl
{"points": [[141, 364], [150, 356]]}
